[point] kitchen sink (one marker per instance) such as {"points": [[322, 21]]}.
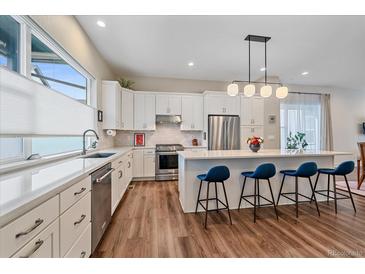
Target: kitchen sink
{"points": [[99, 155]]}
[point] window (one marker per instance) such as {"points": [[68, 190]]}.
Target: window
{"points": [[9, 43], [301, 113], [27, 49], [45, 146], [11, 149], [52, 71]]}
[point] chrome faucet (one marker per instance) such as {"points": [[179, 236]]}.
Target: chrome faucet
{"points": [[83, 140]]}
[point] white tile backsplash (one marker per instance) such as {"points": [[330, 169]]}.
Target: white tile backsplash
{"points": [[164, 134]]}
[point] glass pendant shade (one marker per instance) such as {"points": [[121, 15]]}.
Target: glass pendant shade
{"points": [[249, 90], [232, 89], [266, 91], [282, 92]]}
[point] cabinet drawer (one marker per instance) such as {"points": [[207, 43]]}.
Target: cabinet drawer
{"points": [[73, 222], [82, 247], [74, 193], [117, 163], [44, 245], [16, 234], [148, 151]]}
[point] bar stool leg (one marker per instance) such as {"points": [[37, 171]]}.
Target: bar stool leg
{"points": [[314, 195], [335, 192], [348, 188], [296, 197], [254, 203], [315, 186], [216, 196], [258, 192], [243, 187], [328, 188], [273, 201], [206, 207], [197, 201], [225, 195], [281, 188]]}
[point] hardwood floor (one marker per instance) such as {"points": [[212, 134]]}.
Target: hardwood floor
{"points": [[149, 222]]}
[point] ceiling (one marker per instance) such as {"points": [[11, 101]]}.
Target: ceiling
{"points": [[330, 48]]}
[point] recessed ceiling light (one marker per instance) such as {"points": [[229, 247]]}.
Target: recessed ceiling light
{"points": [[262, 69], [101, 23], [305, 73], [191, 64]]}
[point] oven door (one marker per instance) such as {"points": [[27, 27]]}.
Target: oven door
{"points": [[166, 163]]}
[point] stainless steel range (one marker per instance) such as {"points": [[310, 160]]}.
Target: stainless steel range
{"points": [[167, 161]]}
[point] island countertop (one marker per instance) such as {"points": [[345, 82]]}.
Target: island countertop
{"points": [[247, 154]]}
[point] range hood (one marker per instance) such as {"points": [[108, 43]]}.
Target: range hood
{"points": [[168, 119]]}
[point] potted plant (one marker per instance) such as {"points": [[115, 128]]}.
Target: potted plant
{"points": [[254, 143], [125, 83], [296, 141]]}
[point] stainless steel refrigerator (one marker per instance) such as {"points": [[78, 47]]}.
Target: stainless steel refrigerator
{"points": [[223, 132]]}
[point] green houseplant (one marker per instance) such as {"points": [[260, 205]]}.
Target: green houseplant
{"points": [[296, 141], [125, 83]]}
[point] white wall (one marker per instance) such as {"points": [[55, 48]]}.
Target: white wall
{"points": [[68, 33]]}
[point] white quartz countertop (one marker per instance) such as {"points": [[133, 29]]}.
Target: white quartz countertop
{"points": [[264, 153], [20, 191]]}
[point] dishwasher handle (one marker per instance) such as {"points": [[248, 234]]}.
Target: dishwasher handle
{"points": [[99, 180]]}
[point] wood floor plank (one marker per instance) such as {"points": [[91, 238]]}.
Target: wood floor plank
{"points": [[149, 222]]}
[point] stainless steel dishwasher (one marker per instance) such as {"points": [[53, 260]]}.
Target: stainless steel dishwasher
{"points": [[100, 202]]}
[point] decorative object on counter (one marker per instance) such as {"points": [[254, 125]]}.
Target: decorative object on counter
{"points": [[125, 83], [100, 116], [297, 141], [250, 89], [254, 143], [194, 142], [111, 132], [139, 140]]}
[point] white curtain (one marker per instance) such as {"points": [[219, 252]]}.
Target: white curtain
{"points": [[301, 113], [326, 123], [29, 108]]}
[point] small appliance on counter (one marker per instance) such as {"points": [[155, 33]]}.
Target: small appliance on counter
{"points": [[194, 142]]}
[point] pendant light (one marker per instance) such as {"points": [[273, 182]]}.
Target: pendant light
{"points": [[266, 91], [250, 89]]}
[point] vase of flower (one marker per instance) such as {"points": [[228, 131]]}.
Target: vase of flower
{"points": [[254, 143]]}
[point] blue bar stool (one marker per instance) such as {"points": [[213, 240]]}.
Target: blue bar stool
{"points": [[262, 172], [305, 170], [343, 169], [217, 174]]}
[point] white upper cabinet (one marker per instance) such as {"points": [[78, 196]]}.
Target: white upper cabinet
{"points": [[112, 102], [222, 104], [192, 113], [252, 111], [168, 104], [144, 111], [127, 109], [117, 106]]}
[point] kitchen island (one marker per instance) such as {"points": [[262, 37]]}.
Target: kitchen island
{"points": [[192, 163]]}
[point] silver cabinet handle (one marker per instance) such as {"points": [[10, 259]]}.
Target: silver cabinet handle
{"points": [[79, 192], [120, 174], [83, 216], [37, 245], [105, 175], [83, 254], [37, 223], [129, 164]]}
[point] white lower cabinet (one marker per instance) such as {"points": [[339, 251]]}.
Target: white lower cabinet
{"points": [[82, 246], [44, 245], [73, 222], [138, 163], [149, 163], [17, 233]]}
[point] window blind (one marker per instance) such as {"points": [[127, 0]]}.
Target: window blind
{"points": [[29, 108]]}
